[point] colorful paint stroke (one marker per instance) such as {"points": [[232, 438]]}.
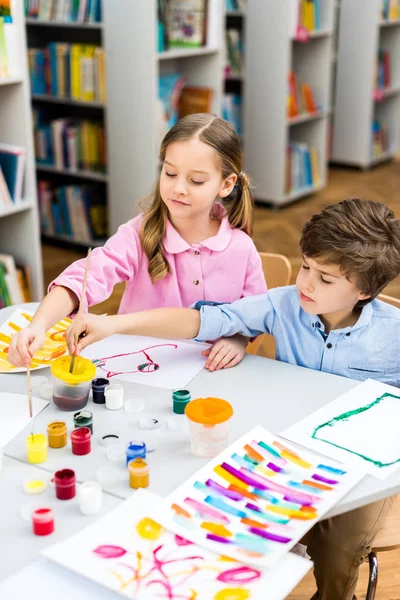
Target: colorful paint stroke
{"points": [[256, 499], [137, 359], [54, 346], [129, 553], [361, 427]]}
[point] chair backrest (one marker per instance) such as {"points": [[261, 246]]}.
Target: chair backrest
{"points": [[277, 272], [277, 269], [388, 537], [389, 300]]}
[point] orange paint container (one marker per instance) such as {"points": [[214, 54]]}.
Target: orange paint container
{"points": [[57, 434], [208, 425], [138, 470]]}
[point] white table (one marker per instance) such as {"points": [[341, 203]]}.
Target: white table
{"points": [[261, 391]]}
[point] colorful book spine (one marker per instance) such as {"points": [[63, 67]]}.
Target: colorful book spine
{"points": [[75, 11], [302, 168]]}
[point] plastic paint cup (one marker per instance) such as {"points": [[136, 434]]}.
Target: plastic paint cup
{"points": [[135, 449], [36, 446], [90, 498], [116, 452], [98, 386], [42, 521], [138, 473], [83, 418], [208, 425], [180, 399], [71, 390], [57, 434], [81, 441], [114, 394], [65, 483]]}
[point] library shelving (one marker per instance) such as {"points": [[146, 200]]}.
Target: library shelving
{"points": [[367, 104], [19, 223], [131, 111], [286, 157], [234, 67]]}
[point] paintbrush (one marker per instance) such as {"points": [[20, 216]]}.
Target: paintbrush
{"points": [[28, 376], [71, 366]]}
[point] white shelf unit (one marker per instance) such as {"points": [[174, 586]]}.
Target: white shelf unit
{"points": [[234, 83], [19, 225], [133, 66], [271, 54], [362, 33]]}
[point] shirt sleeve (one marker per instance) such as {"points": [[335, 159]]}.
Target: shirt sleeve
{"points": [[116, 261], [254, 283], [249, 316]]}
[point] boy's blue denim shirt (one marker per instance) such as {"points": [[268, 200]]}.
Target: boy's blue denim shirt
{"points": [[368, 349]]}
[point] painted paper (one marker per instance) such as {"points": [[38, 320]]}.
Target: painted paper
{"points": [[361, 427], [14, 414], [151, 361], [132, 554], [255, 500], [54, 346]]}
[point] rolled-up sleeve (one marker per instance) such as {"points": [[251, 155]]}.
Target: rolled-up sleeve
{"points": [[248, 316], [113, 263]]}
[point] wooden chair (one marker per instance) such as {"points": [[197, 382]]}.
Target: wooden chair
{"points": [[277, 272], [387, 539], [389, 300]]}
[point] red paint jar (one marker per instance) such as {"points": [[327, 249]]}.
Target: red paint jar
{"points": [[65, 482], [43, 521], [80, 441]]}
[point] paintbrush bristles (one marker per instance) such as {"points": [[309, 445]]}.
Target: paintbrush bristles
{"points": [[72, 363]]}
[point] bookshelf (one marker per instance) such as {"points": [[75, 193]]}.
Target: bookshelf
{"points": [[19, 224], [358, 103], [131, 111], [272, 53], [234, 78]]}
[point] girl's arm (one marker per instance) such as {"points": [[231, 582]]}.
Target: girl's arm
{"points": [[58, 303]]}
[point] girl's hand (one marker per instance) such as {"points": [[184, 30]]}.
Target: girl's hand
{"points": [[86, 330], [226, 353], [25, 344]]}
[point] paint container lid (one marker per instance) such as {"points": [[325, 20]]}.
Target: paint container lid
{"points": [[57, 428], [116, 452], [46, 391], [133, 405], [34, 486], [180, 398], [84, 369], [109, 439], [177, 423], [108, 476], [149, 422], [209, 411]]}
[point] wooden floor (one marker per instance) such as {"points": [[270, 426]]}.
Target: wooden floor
{"points": [[278, 230]]}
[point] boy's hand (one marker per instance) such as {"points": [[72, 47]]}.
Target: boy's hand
{"points": [[226, 353], [25, 344], [87, 329]]}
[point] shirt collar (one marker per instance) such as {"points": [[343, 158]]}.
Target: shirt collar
{"points": [[363, 320], [174, 244]]}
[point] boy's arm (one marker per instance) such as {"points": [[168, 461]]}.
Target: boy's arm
{"points": [[249, 316]]}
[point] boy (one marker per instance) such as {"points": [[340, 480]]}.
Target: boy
{"points": [[330, 321]]}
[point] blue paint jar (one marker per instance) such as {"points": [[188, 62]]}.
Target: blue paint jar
{"points": [[135, 449]]}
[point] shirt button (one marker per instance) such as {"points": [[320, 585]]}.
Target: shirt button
{"points": [[196, 282], [197, 252], [348, 333], [318, 324], [329, 345]]}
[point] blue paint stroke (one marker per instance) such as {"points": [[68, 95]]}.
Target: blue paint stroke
{"points": [[252, 544], [221, 505], [331, 469], [304, 487]]}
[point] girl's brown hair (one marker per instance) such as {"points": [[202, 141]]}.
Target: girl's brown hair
{"points": [[221, 136]]}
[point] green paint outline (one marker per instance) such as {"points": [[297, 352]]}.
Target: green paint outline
{"points": [[344, 417]]}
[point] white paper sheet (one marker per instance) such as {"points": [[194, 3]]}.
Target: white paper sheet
{"points": [[14, 414], [361, 427], [130, 554], [151, 361], [256, 499]]}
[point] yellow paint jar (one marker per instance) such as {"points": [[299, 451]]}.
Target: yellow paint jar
{"points": [[36, 446], [57, 434], [138, 473]]}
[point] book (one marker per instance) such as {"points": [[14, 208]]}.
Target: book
{"points": [[12, 163], [187, 23], [11, 278], [195, 100]]}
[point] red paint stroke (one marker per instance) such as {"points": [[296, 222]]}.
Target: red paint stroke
{"points": [[148, 367], [239, 575]]}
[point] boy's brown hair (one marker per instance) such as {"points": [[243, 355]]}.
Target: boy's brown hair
{"points": [[362, 237]]}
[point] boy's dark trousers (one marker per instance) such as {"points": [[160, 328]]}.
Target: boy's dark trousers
{"points": [[339, 545]]}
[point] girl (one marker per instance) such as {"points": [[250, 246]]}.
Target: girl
{"points": [[192, 243]]}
